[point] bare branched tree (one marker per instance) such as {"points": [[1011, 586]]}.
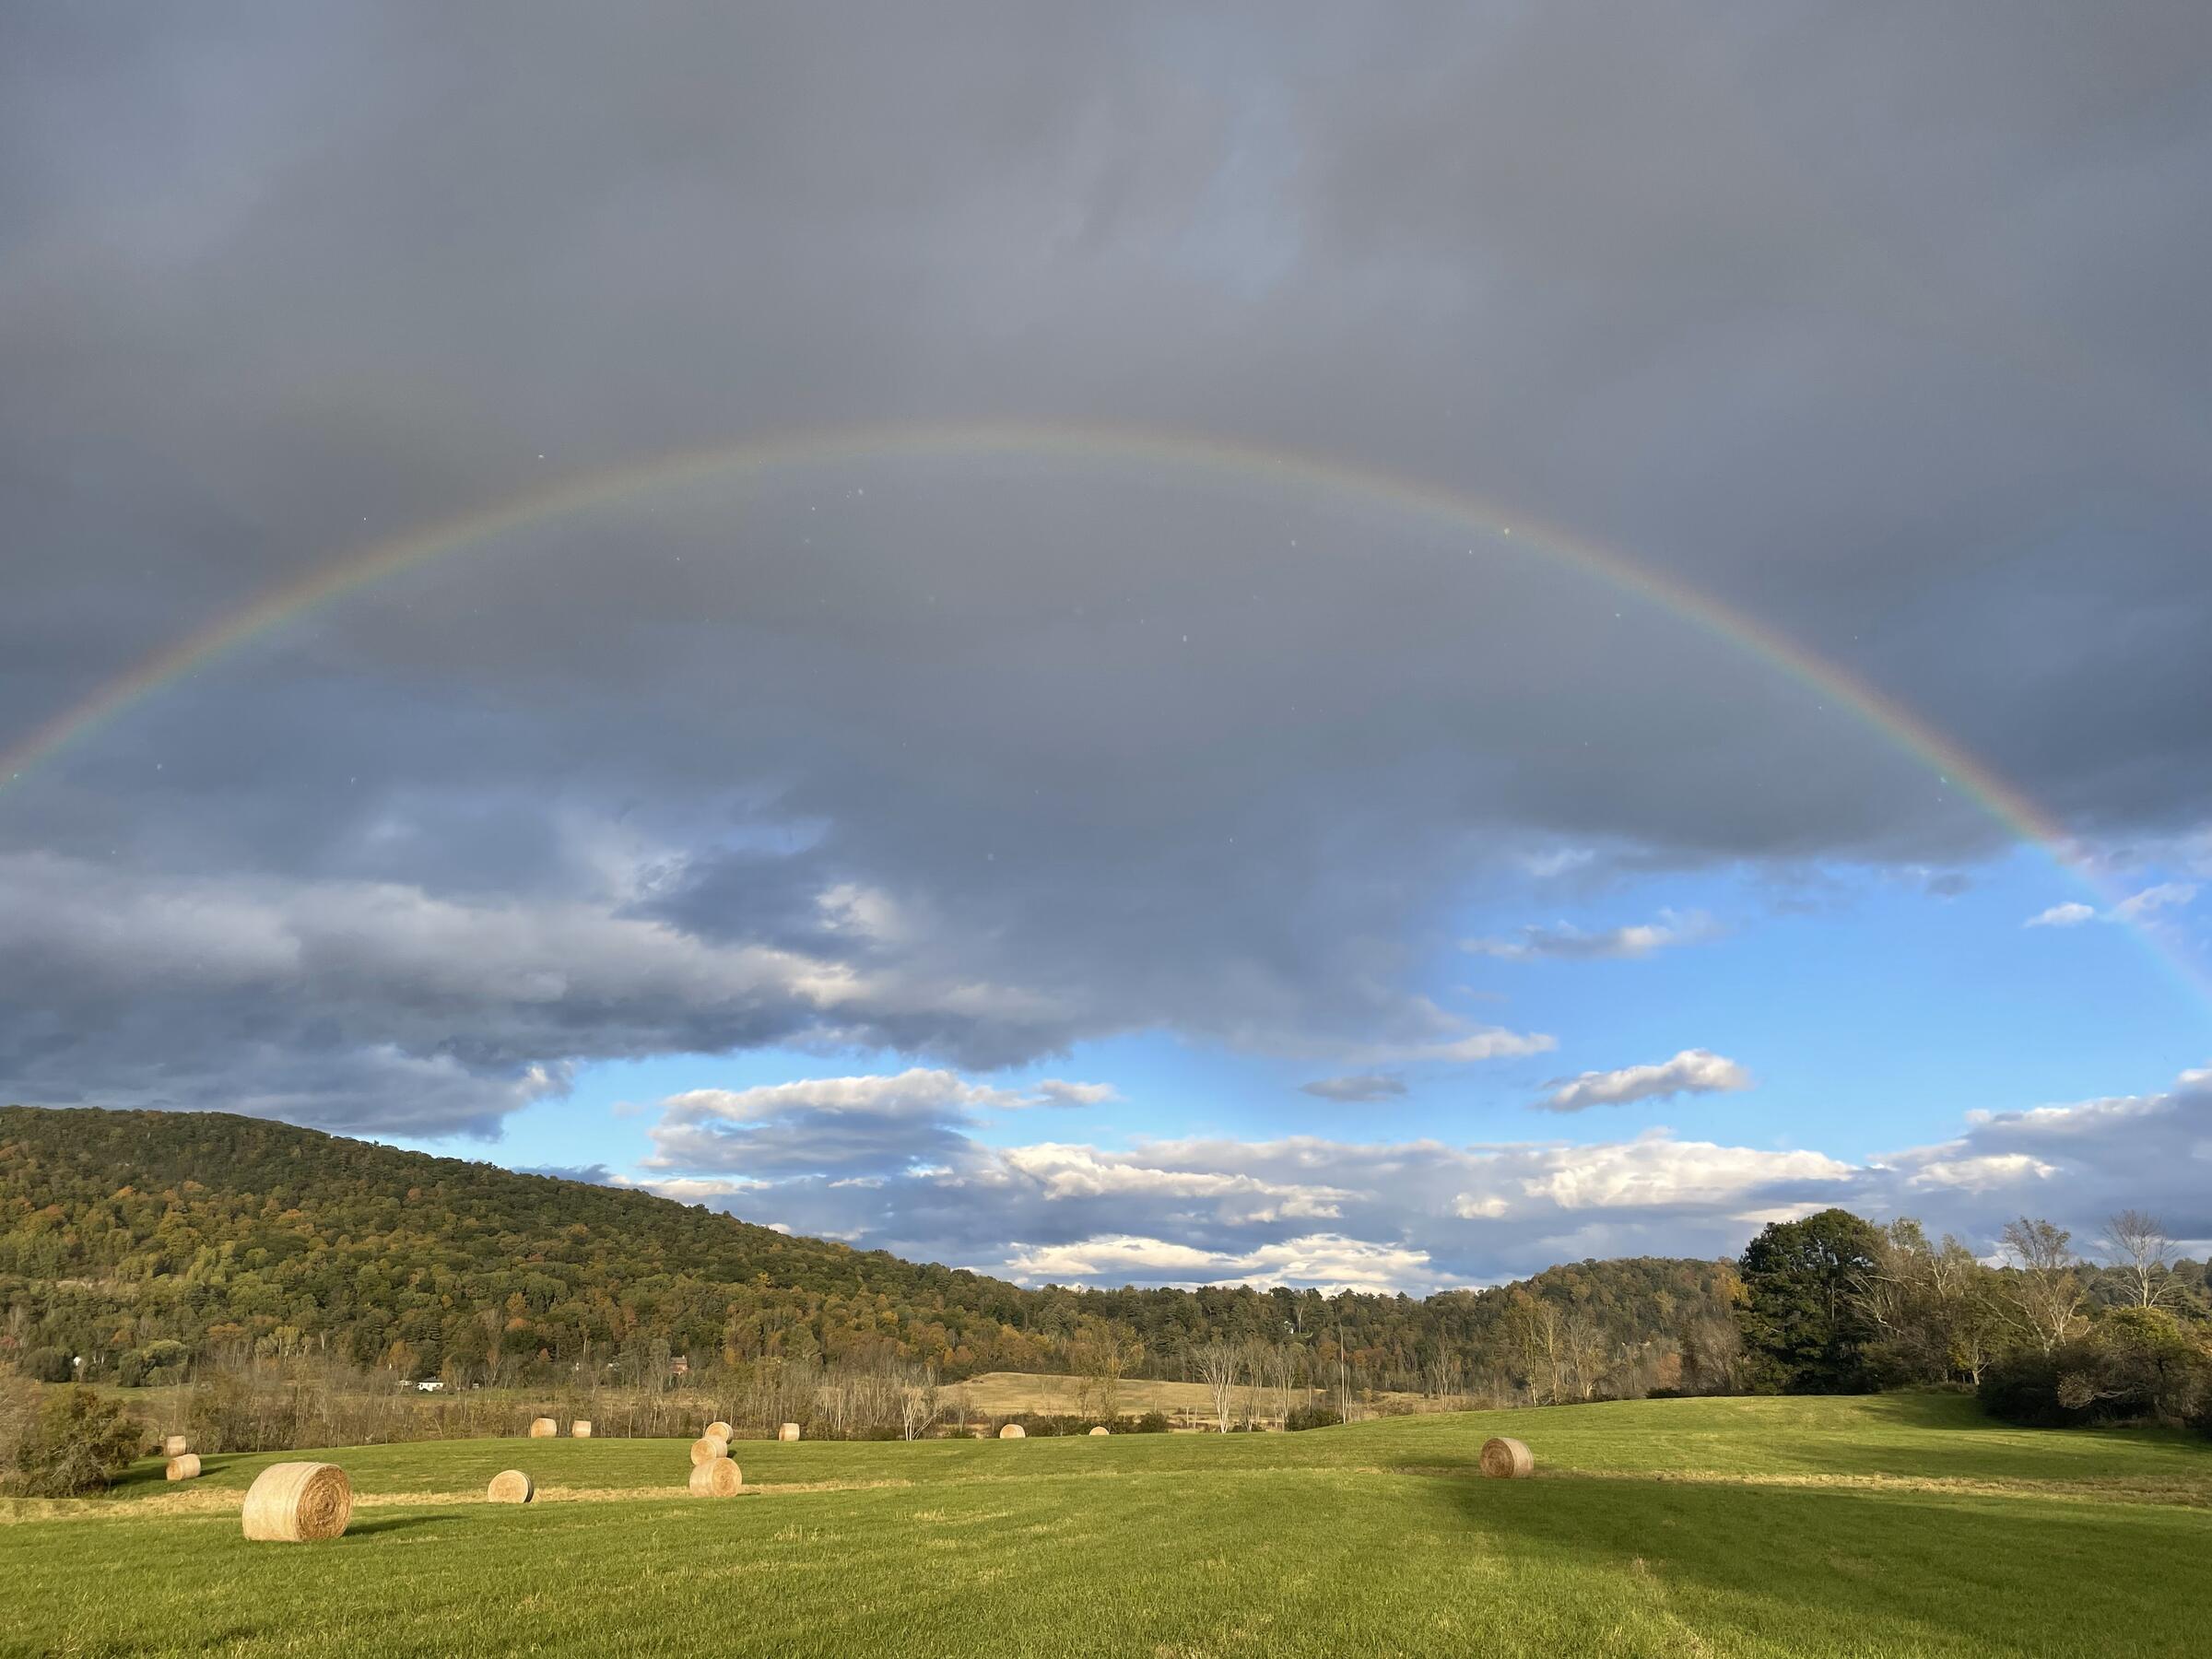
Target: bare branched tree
{"points": [[1100, 1353], [1537, 1333], [2045, 1291], [920, 1405], [1582, 1347], [1218, 1365], [2139, 1246]]}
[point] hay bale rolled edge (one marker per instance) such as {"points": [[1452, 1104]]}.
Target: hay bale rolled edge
{"points": [[716, 1478], [298, 1502], [1013, 1431], [707, 1448], [790, 1431], [1098, 1430], [543, 1427], [580, 1428], [185, 1465], [175, 1445], [1504, 1459], [510, 1486], [719, 1428]]}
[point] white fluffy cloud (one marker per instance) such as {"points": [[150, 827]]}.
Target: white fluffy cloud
{"points": [[1693, 1071], [2136, 907], [1324, 1261], [1656, 1171]]}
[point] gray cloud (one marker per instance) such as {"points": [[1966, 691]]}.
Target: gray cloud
{"points": [[849, 1131], [1570, 943], [1357, 1087], [975, 759]]}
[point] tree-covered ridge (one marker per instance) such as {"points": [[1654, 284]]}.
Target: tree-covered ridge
{"points": [[147, 1242], [214, 1229]]}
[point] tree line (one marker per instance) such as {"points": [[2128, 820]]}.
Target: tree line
{"points": [[1836, 1305]]}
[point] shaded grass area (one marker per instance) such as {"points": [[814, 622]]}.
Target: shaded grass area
{"points": [[1368, 1539]]}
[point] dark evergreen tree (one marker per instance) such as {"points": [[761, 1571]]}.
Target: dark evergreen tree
{"points": [[1802, 1328]]}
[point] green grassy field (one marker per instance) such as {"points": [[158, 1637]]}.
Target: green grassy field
{"points": [[1893, 1525]]}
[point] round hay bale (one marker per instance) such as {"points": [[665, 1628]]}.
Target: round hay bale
{"points": [[185, 1465], [707, 1448], [297, 1502], [580, 1428], [716, 1478], [790, 1431], [1098, 1430], [720, 1429], [174, 1445], [510, 1486], [1013, 1431], [1504, 1459], [543, 1427]]}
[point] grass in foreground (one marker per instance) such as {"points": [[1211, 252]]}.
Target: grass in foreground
{"points": [[1897, 1525]]}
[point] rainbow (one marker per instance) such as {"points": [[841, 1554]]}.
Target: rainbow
{"points": [[1088, 444]]}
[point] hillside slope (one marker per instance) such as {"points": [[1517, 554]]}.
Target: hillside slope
{"points": [[123, 1231]]}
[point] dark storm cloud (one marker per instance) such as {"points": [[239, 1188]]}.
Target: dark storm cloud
{"points": [[1890, 337]]}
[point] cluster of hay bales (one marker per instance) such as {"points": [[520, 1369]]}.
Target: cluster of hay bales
{"points": [[510, 1486], [790, 1431], [714, 1474], [183, 1465], [1504, 1459], [297, 1503], [543, 1429]]}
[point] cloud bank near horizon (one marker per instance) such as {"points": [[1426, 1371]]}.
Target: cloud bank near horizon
{"points": [[890, 1165]]}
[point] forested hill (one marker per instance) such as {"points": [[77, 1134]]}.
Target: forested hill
{"points": [[141, 1239]]}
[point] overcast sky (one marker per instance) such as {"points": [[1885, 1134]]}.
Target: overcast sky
{"points": [[1075, 859]]}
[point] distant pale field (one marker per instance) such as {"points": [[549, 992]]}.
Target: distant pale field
{"points": [[993, 1393], [1901, 1524], [1004, 1394]]}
